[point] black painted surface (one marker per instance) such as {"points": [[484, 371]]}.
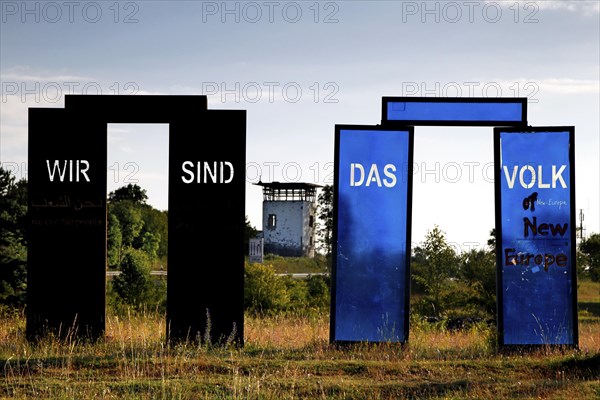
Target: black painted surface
{"points": [[67, 232], [206, 228], [67, 235], [148, 109]]}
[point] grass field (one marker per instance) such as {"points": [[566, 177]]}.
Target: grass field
{"points": [[292, 265], [290, 357]]}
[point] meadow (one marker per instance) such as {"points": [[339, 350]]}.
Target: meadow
{"points": [[289, 356]]}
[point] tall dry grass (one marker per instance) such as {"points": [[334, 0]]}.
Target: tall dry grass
{"points": [[283, 357]]}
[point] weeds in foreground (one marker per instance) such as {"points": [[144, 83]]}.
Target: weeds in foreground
{"points": [[288, 357]]}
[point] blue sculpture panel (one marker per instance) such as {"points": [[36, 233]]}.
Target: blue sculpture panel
{"points": [[455, 111], [536, 257], [371, 234]]}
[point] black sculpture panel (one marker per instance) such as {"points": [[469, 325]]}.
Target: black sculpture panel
{"points": [[67, 215]]}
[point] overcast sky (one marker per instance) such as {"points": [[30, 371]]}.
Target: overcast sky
{"points": [[299, 68]]}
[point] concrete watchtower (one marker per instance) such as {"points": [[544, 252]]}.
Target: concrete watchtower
{"points": [[289, 218]]}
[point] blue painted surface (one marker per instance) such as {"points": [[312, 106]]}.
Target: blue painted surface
{"points": [[371, 265], [454, 111], [537, 298]]}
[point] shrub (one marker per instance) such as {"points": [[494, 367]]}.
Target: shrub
{"points": [[267, 293], [318, 291], [263, 290], [135, 286]]}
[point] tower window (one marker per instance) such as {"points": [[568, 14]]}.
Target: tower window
{"points": [[272, 221]]}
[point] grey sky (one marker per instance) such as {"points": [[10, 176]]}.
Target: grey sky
{"points": [[298, 78]]}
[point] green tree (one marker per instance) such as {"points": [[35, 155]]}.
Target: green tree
{"points": [[131, 192], [318, 291], [13, 246], [114, 240], [263, 290], [581, 262], [134, 283], [130, 220], [325, 215], [590, 249], [138, 221], [156, 223], [150, 244], [297, 293], [439, 264], [478, 272]]}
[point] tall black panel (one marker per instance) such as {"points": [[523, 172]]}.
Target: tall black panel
{"points": [[205, 291], [67, 225]]}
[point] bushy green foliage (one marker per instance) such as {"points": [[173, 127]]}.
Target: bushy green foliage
{"points": [[318, 291], [114, 241], [133, 223], [478, 273], [437, 264], [265, 292], [297, 293], [13, 247], [132, 193], [156, 223], [150, 245], [590, 249], [130, 220], [135, 286], [133, 282], [453, 286]]}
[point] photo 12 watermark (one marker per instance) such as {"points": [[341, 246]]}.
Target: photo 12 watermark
{"points": [[453, 172], [125, 173], [52, 12], [270, 92], [289, 172], [453, 12], [527, 89], [252, 12], [53, 91]]}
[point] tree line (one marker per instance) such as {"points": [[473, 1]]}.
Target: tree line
{"points": [[444, 282], [137, 242], [137, 237], [450, 284]]}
